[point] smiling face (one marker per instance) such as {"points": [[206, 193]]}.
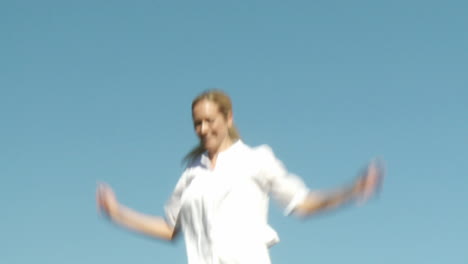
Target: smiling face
{"points": [[211, 126]]}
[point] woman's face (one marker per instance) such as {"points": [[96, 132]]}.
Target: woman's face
{"points": [[211, 126]]}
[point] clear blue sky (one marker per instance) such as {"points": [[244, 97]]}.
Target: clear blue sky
{"points": [[101, 91]]}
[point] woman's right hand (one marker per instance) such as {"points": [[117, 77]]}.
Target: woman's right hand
{"points": [[149, 225], [106, 200]]}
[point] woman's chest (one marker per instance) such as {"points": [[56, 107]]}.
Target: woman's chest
{"points": [[224, 187]]}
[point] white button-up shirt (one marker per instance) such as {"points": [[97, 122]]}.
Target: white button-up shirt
{"points": [[223, 211]]}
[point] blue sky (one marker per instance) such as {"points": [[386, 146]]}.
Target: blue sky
{"points": [[101, 91]]}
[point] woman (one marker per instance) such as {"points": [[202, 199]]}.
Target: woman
{"points": [[221, 200]]}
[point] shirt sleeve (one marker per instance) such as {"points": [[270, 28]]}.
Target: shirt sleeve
{"points": [[286, 188], [172, 207]]}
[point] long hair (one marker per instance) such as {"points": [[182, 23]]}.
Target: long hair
{"points": [[225, 108]]}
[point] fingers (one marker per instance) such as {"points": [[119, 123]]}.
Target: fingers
{"points": [[100, 200], [376, 173], [371, 181], [104, 198]]}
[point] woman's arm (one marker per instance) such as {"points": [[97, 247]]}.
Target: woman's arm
{"points": [[126, 217], [361, 190]]}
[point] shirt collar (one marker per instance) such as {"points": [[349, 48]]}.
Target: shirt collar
{"points": [[205, 160]]}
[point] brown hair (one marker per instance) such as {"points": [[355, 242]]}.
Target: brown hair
{"points": [[225, 107]]}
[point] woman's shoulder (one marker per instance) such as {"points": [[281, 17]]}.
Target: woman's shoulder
{"points": [[262, 151]]}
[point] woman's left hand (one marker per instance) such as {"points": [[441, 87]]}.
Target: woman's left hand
{"points": [[370, 182]]}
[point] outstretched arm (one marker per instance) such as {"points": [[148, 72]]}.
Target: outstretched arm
{"points": [[361, 190], [126, 217]]}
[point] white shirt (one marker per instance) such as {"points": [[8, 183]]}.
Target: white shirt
{"points": [[223, 211]]}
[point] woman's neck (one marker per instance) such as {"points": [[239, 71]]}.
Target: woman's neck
{"points": [[214, 155]]}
